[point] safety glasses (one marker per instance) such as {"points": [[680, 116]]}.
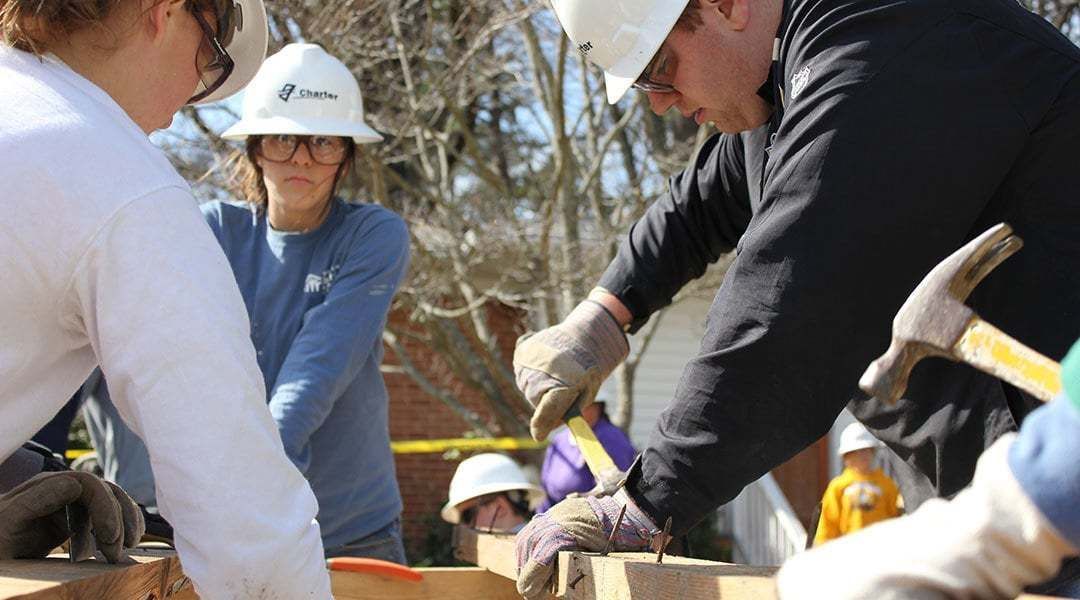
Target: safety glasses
{"points": [[327, 150], [211, 60], [659, 74]]}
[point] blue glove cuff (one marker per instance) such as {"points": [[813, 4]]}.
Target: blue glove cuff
{"points": [[1044, 461]]}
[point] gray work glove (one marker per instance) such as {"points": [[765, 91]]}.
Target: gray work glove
{"points": [[577, 523], [564, 365], [988, 542], [33, 520]]}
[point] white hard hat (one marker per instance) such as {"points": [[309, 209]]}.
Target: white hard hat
{"points": [[247, 48], [856, 437], [620, 37], [486, 474], [302, 90]]}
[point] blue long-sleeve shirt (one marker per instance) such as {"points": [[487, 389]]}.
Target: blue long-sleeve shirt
{"points": [[318, 303]]}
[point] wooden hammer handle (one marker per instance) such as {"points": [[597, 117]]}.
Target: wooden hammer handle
{"points": [[989, 349]]}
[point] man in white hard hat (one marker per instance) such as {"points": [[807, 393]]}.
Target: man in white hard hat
{"points": [[491, 492], [863, 142], [861, 494], [107, 261]]}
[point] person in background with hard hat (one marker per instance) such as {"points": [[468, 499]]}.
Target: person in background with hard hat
{"points": [[853, 158], [862, 494], [491, 492], [107, 261], [564, 471], [1011, 527]]}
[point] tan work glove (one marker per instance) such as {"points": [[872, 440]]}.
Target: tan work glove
{"points": [[33, 521], [988, 542], [565, 364]]}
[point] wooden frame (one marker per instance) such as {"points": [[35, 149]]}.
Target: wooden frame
{"points": [[155, 574], [439, 583], [152, 574], [629, 575], [623, 575]]}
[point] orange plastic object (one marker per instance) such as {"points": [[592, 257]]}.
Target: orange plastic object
{"points": [[374, 566]]}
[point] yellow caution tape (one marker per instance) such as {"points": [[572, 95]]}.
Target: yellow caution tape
{"points": [[433, 446], [427, 446]]}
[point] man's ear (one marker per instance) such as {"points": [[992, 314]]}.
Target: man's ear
{"points": [[734, 14], [161, 15]]}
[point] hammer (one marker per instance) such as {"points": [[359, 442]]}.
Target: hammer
{"points": [[607, 475], [935, 322]]}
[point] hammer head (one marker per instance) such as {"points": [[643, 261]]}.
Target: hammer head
{"points": [[934, 317]]}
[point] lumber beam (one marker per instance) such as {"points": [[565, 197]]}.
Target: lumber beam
{"points": [[150, 574], [626, 575], [492, 551], [439, 583]]}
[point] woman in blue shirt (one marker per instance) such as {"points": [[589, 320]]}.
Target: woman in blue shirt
{"points": [[318, 275]]}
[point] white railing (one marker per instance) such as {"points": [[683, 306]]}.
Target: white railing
{"points": [[764, 526]]}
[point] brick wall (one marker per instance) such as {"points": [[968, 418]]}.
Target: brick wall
{"points": [[803, 478], [415, 415]]}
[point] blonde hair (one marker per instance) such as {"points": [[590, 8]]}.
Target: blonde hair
{"points": [[31, 25]]}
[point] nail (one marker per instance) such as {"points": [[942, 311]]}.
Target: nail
{"points": [[665, 538], [615, 530]]}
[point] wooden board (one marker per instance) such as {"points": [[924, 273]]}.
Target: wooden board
{"points": [[493, 551], [629, 575], [626, 575], [151, 575], [439, 583]]}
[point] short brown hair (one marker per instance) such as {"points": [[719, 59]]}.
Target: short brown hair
{"points": [[246, 176], [690, 19]]}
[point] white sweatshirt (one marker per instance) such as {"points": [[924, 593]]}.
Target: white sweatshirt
{"points": [[105, 259]]}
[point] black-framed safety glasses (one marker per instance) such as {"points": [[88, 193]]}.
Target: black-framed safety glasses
{"points": [[326, 150], [211, 60], [659, 74], [468, 516]]}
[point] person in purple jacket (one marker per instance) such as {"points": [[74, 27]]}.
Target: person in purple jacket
{"points": [[565, 472]]}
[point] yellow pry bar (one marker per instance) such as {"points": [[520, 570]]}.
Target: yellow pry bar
{"points": [[595, 456]]}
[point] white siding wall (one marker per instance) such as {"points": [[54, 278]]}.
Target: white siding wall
{"points": [[676, 342]]}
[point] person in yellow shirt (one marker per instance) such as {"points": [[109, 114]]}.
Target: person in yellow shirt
{"points": [[859, 496]]}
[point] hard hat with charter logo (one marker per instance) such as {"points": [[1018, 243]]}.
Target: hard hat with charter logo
{"points": [[619, 36], [244, 40], [302, 90]]}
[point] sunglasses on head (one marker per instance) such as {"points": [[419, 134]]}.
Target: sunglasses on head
{"points": [[212, 60]]}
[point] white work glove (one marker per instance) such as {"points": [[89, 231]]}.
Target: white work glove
{"points": [[565, 364], [988, 542]]}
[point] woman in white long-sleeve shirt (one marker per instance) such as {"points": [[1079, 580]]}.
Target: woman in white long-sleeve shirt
{"points": [[107, 260], [318, 275]]}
